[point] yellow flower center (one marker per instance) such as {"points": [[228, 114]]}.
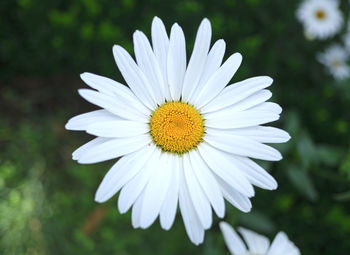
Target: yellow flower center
{"points": [[320, 14], [176, 127]]}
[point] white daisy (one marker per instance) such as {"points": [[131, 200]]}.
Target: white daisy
{"points": [[256, 244], [335, 59], [321, 18], [182, 135]]}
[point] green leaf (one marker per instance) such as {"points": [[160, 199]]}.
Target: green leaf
{"points": [[302, 182]]}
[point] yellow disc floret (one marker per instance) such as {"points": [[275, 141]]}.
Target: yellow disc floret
{"points": [[176, 127]]}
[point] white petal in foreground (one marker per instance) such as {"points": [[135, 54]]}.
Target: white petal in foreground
{"points": [[198, 60], [83, 121], [199, 200], [223, 167], [193, 226], [168, 210], [176, 63], [118, 128], [218, 81], [237, 92], [208, 183], [78, 153], [122, 172], [114, 148], [233, 242], [243, 146]]}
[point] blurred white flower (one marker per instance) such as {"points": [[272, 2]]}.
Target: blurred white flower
{"points": [[321, 18], [182, 135], [335, 60], [256, 244]]}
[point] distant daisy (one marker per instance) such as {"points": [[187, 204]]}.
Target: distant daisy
{"points": [[180, 133], [256, 244], [335, 60], [321, 18]]}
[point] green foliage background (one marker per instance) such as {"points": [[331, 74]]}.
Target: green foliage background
{"points": [[47, 204]]}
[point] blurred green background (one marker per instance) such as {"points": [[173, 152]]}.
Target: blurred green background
{"points": [[47, 200]]}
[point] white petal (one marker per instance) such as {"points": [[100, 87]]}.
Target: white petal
{"points": [[122, 172], [136, 185], [223, 167], [258, 133], [282, 245], [160, 42], [193, 226], [255, 173], [83, 121], [176, 62], [119, 91], [199, 200], [268, 107], [243, 146], [242, 119], [218, 80], [149, 65], [233, 242], [237, 92], [257, 244], [168, 210], [118, 128], [136, 211], [113, 105], [208, 183], [245, 104], [198, 59], [212, 64], [234, 197], [134, 77], [78, 153], [114, 148], [155, 192]]}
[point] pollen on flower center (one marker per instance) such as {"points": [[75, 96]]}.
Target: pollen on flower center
{"points": [[176, 127], [320, 14]]}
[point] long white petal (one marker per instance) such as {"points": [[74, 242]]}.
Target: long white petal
{"points": [[220, 164], [168, 210], [193, 226], [255, 173], [118, 128], [243, 146], [282, 245], [198, 59], [212, 64], [121, 108], [83, 121], [218, 80], [234, 197], [199, 200], [233, 242], [122, 172], [160, 42], [155, 192], [78, 153], [134, 77], [249, 102], [257, 244], [258, 133], [176, 62], [237, 92], [149, 65], [114, 148], [208, 183], [242, 119], [268, 107], [136, 211], [136, 185]]}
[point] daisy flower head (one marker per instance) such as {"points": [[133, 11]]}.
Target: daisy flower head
{"points": [[321, 18], [182, 136], [335, 58], [256, 244]]}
